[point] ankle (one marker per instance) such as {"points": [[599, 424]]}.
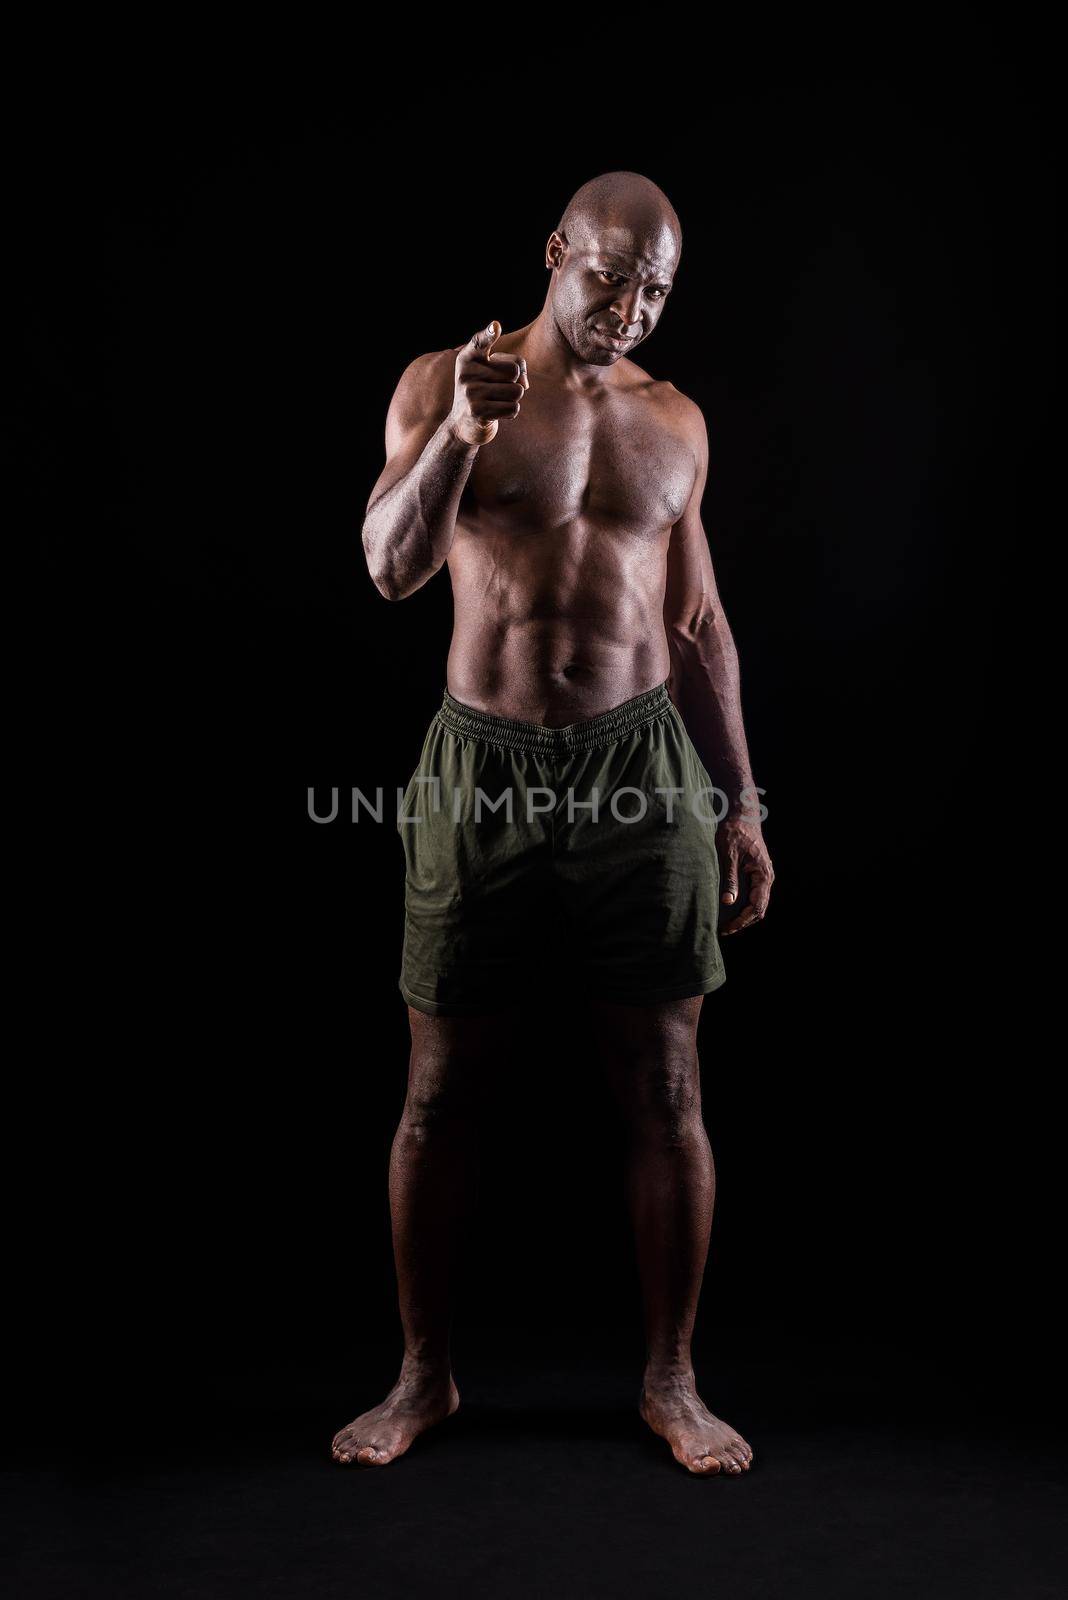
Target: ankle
{"points": [[668, 1373], [423, 1367]]}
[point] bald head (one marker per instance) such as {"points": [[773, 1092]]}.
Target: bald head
{"points": [[617, 201], [613, 258]]}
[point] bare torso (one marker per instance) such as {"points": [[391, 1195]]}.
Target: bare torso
{"points": [[559, 562]]}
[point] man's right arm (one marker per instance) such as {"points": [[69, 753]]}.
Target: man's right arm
{"points": [[446, 406]]}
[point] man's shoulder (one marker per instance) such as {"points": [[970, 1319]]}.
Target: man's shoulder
{"points": [[423, 388], [683, 412], [686, 409], [433, 367]]}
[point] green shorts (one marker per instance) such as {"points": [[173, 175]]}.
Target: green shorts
{"points": [[533, 854]]}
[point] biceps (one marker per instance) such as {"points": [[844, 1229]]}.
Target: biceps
{"points": [[408, 432], [691, 599], [415, 413]]}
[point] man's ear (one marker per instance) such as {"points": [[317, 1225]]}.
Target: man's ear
{"points": [[556, 249]]}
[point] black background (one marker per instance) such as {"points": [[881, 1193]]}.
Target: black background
{"points": [[227, 272]]}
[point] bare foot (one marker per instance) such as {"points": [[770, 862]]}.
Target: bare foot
{"points": [[415, 1403], [701, 1442]]}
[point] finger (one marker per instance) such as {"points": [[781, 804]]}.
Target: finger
{"points": [[512, 367], [494, 410], [494, 391], [759, 890], [475, 370], [729, 887], [482, 342], [744, 919], [505, 394]]}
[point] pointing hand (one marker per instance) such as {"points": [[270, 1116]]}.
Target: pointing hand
{"points": [[488, 387]]}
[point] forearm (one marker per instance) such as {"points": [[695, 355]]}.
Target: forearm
{"points": [[408, 530], [705, 684]]}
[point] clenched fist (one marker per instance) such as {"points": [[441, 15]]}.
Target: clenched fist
{"points": [[488, 387]]}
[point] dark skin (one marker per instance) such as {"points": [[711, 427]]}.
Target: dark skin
{"points": [[562, 486]]}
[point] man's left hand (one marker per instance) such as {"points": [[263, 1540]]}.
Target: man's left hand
{"points": [[742, 852]]}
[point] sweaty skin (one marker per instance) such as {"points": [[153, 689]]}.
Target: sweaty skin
{"points": [[562, 487]]}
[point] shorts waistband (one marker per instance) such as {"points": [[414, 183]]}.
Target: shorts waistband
{"points": [[555, 741], [515, 735]]}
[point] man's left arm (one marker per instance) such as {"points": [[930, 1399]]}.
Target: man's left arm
{"points": [[705, 684]]}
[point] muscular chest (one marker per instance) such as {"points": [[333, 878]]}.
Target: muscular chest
{"points": [[617, 461]]}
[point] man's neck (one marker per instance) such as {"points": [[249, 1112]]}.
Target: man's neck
{"points": [[549, 355]]}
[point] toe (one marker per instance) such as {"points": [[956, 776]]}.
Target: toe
{"points": [[369, 1455], [708, 1466]]}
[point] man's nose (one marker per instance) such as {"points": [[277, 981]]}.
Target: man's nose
{"points": [[628, 308]]}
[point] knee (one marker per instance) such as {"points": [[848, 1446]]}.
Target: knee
{"points": [[433, 1107], [665, 1104]]}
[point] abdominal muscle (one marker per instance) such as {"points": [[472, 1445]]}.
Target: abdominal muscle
{"points": [[556, 627]]}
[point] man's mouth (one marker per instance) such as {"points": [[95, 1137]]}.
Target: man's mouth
{"points": [[613, 339]]}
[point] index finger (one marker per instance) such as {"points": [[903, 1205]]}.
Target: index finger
{"points": [[500, 359]]}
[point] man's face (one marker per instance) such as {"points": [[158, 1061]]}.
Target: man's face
{"points": [[614, 282]]}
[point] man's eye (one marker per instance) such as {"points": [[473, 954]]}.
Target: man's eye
{"points": [[657, 294], [615, 275]]}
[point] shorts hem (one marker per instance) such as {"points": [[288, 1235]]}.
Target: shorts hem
{"points": [[676, 991], [631, 997], [455, 1008]]}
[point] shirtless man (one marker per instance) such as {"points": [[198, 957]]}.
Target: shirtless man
{"points": [[562, 486]]}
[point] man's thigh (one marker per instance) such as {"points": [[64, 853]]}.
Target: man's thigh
{"points": [[637, 873], [476, 887], [454, 1061], [648, 1053]]}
